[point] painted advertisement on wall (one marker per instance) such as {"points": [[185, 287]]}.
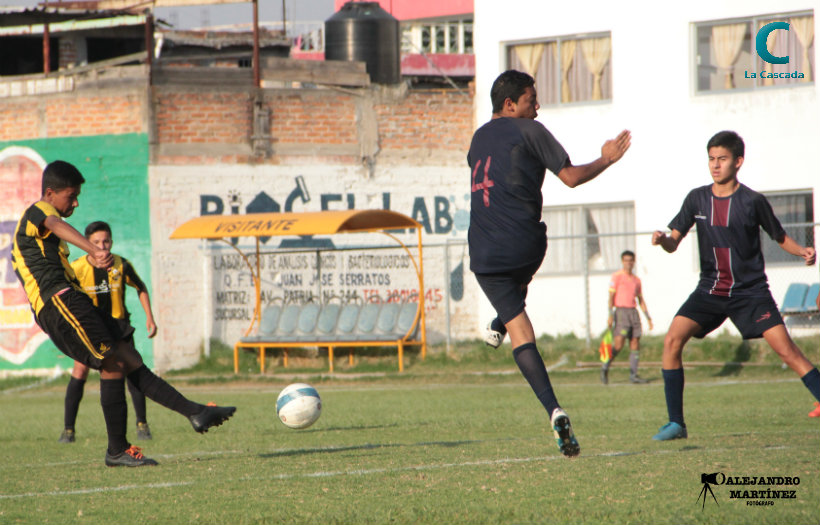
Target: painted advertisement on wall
{"points": [[116, 191], [343, 268]]}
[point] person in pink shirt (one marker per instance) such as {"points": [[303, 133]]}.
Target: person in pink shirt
{"points": [[624, 297]]}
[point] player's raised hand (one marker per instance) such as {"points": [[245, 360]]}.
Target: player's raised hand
{"points": [[657, 237], [614, 149]]}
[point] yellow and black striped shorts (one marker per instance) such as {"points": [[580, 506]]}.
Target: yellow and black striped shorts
{"points": [[79, 329]]}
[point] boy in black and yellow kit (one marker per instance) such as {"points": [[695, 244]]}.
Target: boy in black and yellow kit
{"points": [[106, 288], [77, 327]]}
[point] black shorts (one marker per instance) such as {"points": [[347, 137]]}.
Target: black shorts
{"points": [[752, 315], [507, 291], [80, 330]]}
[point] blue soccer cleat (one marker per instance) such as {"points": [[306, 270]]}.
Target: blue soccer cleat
{"points": [[564, 436], [670, 431]]}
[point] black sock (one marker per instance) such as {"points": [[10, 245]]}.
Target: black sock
{"points": [[812, 382], [73, 396], [115, 412], [498, 326], [138, 400], [532, 366], [157, 389], [673, 388]]}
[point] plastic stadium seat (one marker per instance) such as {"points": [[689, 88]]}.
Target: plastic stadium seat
{"points": [[810, 304], [367, 321], [307, 321], [270, 320], [795, 298], [406, 318], [347, 321], [327, 322], [386, 323], [288, 321]]}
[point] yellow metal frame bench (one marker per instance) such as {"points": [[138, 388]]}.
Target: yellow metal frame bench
{"points": [[223, 227]]}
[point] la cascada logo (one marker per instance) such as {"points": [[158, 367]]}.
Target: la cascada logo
{"points": [[763, 52], [761, 492]]}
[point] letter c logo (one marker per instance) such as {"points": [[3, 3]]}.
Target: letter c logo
{"points": [[762, 48]]}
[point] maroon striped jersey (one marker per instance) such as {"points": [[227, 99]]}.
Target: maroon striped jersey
{"points": [[728, 228]]}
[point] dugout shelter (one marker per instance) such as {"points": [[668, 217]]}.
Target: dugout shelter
{"points": [[318, 325]]}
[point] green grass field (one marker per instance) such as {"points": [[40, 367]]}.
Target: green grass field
{"points": [[439, 444]]}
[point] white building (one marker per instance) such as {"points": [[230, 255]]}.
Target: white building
{"points": [[673, 74]]}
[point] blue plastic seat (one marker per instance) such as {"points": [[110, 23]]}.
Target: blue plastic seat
{"points": [[795, 298], [386, 323], [367, 321], [288, 321], [347, 322], [406, 318], [306, 325], [810, 303], [267, 325], [326, 324]]}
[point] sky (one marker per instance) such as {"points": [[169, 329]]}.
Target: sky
{"points": [[297, 11]]}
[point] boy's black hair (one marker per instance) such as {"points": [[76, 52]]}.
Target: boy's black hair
{"points": [[511, 85], [629, 253], [729, 140], [97, 226], [59, 175]]}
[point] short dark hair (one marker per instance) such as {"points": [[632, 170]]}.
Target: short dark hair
{"points": [[511, 85], [729, 140], [97, 226], [59, 175], [626, 253]]}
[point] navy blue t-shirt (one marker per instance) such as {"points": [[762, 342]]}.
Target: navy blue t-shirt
{"points": [[508, 159], [731, 261]]}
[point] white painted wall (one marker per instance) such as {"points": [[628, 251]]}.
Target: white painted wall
{"points": [[654, 97]]}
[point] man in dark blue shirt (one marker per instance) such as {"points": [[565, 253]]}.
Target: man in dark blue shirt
{"points": [[732, 281], [508, 159]]}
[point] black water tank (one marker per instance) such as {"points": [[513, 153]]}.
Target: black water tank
{"points": [[365, 32]]}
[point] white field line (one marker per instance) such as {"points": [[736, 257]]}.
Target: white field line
{"points": [[341, 473]]}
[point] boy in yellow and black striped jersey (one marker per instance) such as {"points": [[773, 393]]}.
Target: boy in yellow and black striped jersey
{"points": [[107, 290], [77, 327]]}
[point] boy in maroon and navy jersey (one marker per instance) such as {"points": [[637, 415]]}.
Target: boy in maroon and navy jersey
{"points": [[733, 281]]}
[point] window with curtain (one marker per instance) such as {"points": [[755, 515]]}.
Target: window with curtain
{"points": [[795, 210], [591, 234], [566, 69], [726, 56]]}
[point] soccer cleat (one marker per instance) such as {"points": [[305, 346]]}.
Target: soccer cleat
{"points": [[492, 337], [816, 411], [131, 457], [671, 431], [564, 436], [605, 376], [143, 431], [211, 416], [638, 380], [67, 436]]}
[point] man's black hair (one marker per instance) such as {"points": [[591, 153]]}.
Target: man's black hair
{"points": [[729, 140], [511, 85], [97, 226], [629, 253], [60, 175]]}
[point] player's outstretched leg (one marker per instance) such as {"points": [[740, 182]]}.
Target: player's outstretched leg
{"points": [[73, 395], [120, 453], [155, 388]]}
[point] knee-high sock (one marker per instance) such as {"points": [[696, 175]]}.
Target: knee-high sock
{"points": [[115, 412], [157, 389], [532, 367], [138, 400], [812, 382], [73, 396], [634, 357], [673, 388]]}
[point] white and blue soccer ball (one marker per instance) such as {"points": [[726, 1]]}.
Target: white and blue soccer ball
{"points": [[298, 405]]}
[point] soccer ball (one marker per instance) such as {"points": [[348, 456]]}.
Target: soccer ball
{"points": [[298, 405]]}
